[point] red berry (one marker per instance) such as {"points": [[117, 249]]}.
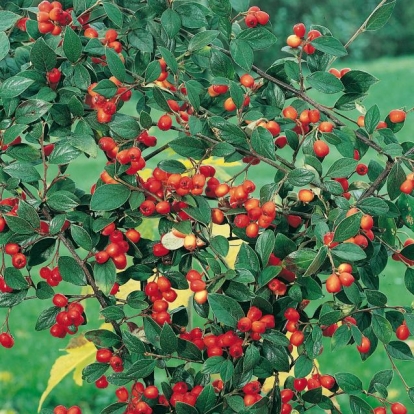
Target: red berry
{"points": [[365, 345], [398, 408], [6, 340], [299, 29], [164, 123], [299, 384]]}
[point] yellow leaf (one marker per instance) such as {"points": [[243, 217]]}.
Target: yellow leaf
{"points": [[79, 353]]}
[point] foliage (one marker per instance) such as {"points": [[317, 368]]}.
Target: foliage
{"points": [[316, 237]]}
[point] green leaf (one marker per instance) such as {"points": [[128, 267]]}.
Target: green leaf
{"points": [[103, 338], [168, 339], [125, 126], [382, 377], [105, 276], [220, 244], [349, 251], [257, 38], [106, 88], [409, 280], [342, 168], [221, 64], [380, 17], [373, 206], [313, 396], [405, 204], [115, 408], [202, 212], [172, 166], [227, 310], [183, 408], [187, 349], [399, 350], [357, 81], [31, 110], [348, 100], [341, 337], [169, 59], [317, 262], [41, 251], [329, 45], [171, 22], [194, 91], [72, 45], [267, 274], [94, 371], [372, 117], [29, 213], [153, 72], [141, 368], [242, 54], [201, 39], [382, 328], [348, 227], [62, 201], [84, 143], [42, 56], [264, 245], [349, 383], [7, 19], [23, 171], [115, 64], [71, 271], [133, 344], [324, 82], [283, 246], [4, 45], [303, 366], [206, 400], [113, 13], [359, 406], [375, 297], [300, 177], [301, 259], [262, 143], [109, 197], [47, 318], [112, 313], [395, 179], [44, 291], [81, 237], [14, 279], [14, 86]]}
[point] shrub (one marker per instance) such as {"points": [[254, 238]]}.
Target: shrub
{"points": [[310, 242]]}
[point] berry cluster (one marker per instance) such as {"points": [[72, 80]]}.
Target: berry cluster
{"points": [[117, 246], [197, 285], [251, 393], [51, 17], [107, 107], [256, 16], [68, 320], [61, 409], [52, 276], [109, 40], [255, 323], [160, 293], [298, 38]]}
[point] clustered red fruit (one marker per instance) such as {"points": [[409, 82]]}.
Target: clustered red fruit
{"points": [[160, 293], [67, 320], [61, 409], [197, 285], [51, 275], [109, 40], [256, 16], [298, 38], [51, 17], [407, 185], [117, 246], [107, 107], [255, 323]]}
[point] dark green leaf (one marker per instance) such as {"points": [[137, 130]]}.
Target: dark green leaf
{"points": [[341, 337], [115, 64], [325, 82], [183, 408], [221, 64], [171, 22], [357, 81], [41, 251], [94, 371], [168, 339], [115, 408], [257, 38], [202, 212], [375, 297], [71, 271], [380, 16], [303, 366], [201, 39], [18, 225], [220, 244], [382, 377], [359, 406], [62, 201], [349, 251], [113, 13], [348, 227], [409, 280], [72, 45], [14, 279], [242, 54], [42, 56], [105, 276], [109, 197], [153, 71], [267, 274], [372, 117], [382, 328], [206, 400], [133, 344], [399, 350], [47, 318], [342, 168], [300, 177], [395, 179], [112, 313], [7, 19], [172, 166], [103, 338], [349, 383], [262, 143], [264, 245], [4, 45], [329, 45], [14, 86], [373, 206], [8, 300], [225, 309]]}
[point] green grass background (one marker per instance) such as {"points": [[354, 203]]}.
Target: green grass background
{"points": [[24, 370]]}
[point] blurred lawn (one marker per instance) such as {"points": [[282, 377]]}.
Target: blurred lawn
{"points": [[24, 370]]}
